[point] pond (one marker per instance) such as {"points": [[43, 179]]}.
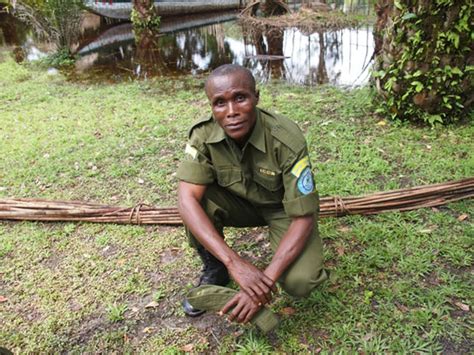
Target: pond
{"points": [[195, 44]]}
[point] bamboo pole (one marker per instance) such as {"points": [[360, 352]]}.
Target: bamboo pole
{"points": [[380, 202]]}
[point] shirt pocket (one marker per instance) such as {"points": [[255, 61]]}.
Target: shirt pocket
{"points": [[227, 176], [269, 182]]}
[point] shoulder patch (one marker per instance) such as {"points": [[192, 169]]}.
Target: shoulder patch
{"points": [[191, 151], [198, 123], [300, 166]]}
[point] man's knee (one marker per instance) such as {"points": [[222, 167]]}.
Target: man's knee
{"points": [[298, 286], [301, 285]]}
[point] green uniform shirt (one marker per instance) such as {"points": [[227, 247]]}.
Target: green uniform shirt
{"points": [[272, 169]]}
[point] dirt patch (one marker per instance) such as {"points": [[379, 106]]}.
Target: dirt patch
{"points": [[88, 329], [462, 271], [432, 279], [452, 348], [53, 262], [109, 251], [170, 255], [254, 245]]}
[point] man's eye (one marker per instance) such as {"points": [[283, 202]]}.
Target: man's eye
{"points": [[219, 102], [240, 98]]}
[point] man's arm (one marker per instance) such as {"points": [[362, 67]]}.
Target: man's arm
{"points": [[290, 247], [251, 280]]}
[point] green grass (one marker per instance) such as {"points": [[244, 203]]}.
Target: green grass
{"points": [[397, 279]]}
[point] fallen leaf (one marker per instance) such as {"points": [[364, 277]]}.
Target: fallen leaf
{"points": [[368, 336], [382, 123], [344, 229], [237, 333], [288, 311], [340, 250], [402, 308], [260, 237], [462, 306], [318, 350], [141, 181], [187, 348], [152, 304], [3, 299], [463, 217], [434, 209], [147, 330]]}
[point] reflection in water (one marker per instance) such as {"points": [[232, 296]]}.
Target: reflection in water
{"points": [[336, 57], [201, 43], [11, 30]]}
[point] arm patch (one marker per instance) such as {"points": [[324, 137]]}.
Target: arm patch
{"points": [[191, 151], [305, 182], [300, 166]]}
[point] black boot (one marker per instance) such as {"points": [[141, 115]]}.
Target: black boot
{"points": [[213, 273]]}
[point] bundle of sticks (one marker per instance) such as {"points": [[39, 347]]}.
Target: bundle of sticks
{"points": [[395, 200]]}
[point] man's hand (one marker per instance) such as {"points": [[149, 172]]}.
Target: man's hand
{"points": [[252, 281], [244, 308]]}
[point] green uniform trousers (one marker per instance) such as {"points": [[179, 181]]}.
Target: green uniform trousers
{"points": [[228, 210]]}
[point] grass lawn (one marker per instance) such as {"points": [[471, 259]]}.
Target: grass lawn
{"points": [[402, 282]]}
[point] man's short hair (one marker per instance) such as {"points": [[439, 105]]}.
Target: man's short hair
{"points": [[227, 69]]}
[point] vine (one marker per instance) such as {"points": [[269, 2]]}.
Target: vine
{"points": [[424, 70]]}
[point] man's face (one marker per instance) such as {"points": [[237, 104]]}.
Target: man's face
{"points": [[233, 101]]}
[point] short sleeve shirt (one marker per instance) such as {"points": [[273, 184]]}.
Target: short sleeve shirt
{"points": [[271, 170]]}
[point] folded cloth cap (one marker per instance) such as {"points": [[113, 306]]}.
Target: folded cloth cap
{"points": [[213, 298]]}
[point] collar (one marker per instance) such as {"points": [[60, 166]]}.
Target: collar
{"points": [[257, 138], [217, 134]]}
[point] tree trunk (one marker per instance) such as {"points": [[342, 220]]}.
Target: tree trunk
{"points": [[144, 9], [422, 53]]}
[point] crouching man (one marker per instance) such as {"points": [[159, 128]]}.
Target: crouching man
{"points": [[246, 167]]}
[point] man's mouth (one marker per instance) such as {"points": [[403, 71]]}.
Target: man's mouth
{"points": [[235, 125]]}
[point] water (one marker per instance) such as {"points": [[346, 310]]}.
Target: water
{"points": [[199, 43]]}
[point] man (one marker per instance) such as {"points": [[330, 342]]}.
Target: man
{"points": [[246, 167]]}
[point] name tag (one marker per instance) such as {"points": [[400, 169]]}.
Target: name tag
{"points": [[266, 172]]}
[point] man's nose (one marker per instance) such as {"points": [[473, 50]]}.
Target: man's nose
{"points": [[231, 109]]}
